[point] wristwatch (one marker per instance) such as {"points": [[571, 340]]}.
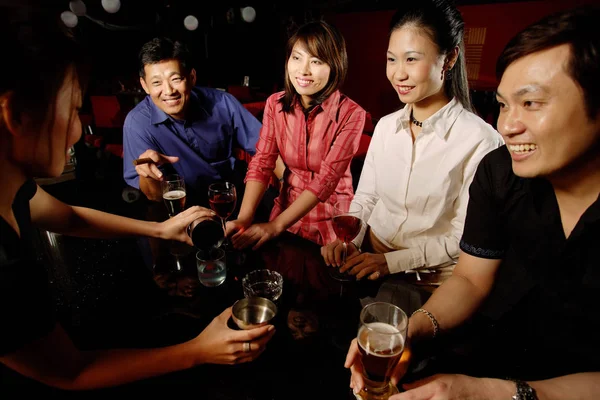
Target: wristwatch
{"points": [[524, 391]]}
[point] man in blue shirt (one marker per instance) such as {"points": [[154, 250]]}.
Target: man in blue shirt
{"points": [[183, 129]]}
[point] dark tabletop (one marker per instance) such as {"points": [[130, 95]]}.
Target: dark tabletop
{"points": [[126, 293]]}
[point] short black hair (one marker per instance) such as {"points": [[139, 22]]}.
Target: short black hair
{"points": [[162, 49], [576, 28]]}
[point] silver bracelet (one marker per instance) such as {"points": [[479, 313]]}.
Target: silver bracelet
{"points": [[436, 325]]}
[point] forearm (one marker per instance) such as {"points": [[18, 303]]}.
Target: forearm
{"points": [[87, 222], [151, 188], [581, 386], [279, 168], [298, 209], [252, 196], [451, 304], [117, 367]]}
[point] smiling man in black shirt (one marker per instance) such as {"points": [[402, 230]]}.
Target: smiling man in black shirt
{"points": [[531, 239]]}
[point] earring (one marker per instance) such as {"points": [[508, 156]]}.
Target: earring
{"points": [[449, 75]]}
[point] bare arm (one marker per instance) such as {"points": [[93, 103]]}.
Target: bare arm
{"points": [[298, 209], [458, 298], [279, 168], [583, 386], [53, 215], [252, 195], [55, 361]]}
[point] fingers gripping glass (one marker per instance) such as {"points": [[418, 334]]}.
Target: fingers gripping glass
{"points": [[381, 339], [222, 198], [346, 225], [173, 192]]}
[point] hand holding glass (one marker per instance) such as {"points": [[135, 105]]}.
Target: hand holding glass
{"points": [[222, 198], [346, 225], [381, 338]]}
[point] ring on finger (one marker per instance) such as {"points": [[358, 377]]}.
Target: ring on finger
{"points": [[246, 347], [376, 275]]}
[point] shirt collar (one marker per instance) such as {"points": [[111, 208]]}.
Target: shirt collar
{"points": [[196, 107], [330, 106], [440, 122]]}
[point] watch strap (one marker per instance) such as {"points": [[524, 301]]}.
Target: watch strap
{"points": [[524, 391]]}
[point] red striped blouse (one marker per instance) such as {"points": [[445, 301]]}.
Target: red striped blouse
{"points": [[317, 150]]}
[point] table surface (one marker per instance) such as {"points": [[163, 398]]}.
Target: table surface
{"points": [[114, 293]]}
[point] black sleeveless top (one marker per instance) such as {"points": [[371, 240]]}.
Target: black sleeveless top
{"points": [[27, 312]]}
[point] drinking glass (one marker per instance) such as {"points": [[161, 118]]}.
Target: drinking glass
{"points": [[381, 338], [173, 189], [211, 265], [346, 225], [222, 198]]}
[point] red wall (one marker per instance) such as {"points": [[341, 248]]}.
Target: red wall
{"points": [[366, 35]]}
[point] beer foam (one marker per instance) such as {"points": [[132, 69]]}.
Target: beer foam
{"points": [[174, 195], [378, 337]]}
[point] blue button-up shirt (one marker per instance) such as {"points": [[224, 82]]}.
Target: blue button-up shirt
{"points": [[216, 124]]}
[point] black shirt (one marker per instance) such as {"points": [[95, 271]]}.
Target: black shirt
{"points": [[546, 298], [27, 312]]}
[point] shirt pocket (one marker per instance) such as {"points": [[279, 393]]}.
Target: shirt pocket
{"points": [[216, 149]]}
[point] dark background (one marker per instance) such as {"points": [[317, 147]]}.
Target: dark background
{"points": [[227, 50]]}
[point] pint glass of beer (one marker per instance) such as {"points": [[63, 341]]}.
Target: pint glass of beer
{"points": [[381, 338]]}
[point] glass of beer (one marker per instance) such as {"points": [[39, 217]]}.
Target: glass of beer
{"points": [[381, 338], [173, 189]]}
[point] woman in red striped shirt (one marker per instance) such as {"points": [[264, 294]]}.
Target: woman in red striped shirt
{"points": [[316, 130]]}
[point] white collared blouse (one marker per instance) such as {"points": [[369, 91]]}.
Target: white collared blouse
{"points": [[415, 195]]}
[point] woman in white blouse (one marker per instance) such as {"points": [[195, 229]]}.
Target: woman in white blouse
{"points": [[415, 181]]}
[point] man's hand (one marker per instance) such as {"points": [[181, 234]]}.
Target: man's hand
{"points": [[373, 266], [456, 387], [150, 170], [354, 362]]}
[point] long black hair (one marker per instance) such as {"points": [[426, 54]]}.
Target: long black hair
{"points": [[40, 51], [442, 21]]}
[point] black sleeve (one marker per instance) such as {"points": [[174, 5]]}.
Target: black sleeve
{"points": [[26, 303], [484, 233]]}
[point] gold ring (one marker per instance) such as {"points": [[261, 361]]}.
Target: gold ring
{"points": [[246, 347], [377, 274]]}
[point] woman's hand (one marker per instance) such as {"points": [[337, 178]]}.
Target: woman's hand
{"points": [[354, 362], [237, 225], [332, 252], [175, 228], [373, 266], [218, 344], [256, 235]]}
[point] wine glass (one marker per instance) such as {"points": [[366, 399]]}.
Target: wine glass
{"points": [[173, 189], [381, 338], [222, 198], [346, 225]]}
